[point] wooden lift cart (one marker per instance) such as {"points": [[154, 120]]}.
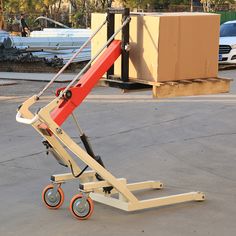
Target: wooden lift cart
{"points": [[97, 184]]}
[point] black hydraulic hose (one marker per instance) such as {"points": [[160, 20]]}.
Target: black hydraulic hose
{"points": [[81, 172], [87, 145]]}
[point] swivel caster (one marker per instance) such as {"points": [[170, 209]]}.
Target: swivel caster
{"points": [[53, 196], [81, 206]]}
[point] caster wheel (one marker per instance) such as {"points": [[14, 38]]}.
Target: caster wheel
{"points": [[53, 200], [81, 208]]}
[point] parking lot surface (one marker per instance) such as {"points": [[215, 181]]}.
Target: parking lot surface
{"points": [[189, 143]]}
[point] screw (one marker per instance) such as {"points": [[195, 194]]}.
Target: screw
{"points": [[127, 47], [59, 131]]}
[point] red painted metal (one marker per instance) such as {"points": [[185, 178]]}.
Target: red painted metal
{"points": [[87, 82]]}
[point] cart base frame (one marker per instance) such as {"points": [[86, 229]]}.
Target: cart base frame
{"points": [[95, 190], [126, 200]]}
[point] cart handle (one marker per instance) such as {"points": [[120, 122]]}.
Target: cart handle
{"points": [[24, 120]]}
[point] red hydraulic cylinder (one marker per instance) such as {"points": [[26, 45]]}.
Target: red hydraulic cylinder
{"points": [[87, 82]]}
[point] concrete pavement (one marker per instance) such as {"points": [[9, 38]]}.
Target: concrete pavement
{"points": [[188, 143], [36, 76]]}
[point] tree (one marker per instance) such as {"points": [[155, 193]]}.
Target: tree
{"points": [[147, 4], [32, 9], [82, 9], [32, 6], [213, 5], [140, 4]]}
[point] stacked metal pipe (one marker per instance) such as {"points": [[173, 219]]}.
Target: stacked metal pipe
{"points": [[51, 32], [3, 36], [50, 43]]}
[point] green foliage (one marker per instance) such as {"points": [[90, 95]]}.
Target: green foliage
{"points": [[180, 2], [214, 5], [139, 3], [152, 4], [82, 9], [29, 6]]}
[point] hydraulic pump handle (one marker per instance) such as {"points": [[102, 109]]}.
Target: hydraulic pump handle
{"points": [[20, 119]]}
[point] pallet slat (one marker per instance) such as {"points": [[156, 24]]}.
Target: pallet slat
{"points": [[191, 88], [170, 89]]}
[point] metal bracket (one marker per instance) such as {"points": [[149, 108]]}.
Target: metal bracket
{"points": [[83, 199], [55, 188]]}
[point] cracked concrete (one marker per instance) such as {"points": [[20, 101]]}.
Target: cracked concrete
{"points": [[188, 143]]}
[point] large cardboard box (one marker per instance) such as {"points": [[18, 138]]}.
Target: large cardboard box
{"points": [[168, 46]]}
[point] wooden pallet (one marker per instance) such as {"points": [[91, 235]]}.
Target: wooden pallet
{"points": [[188, 87], [227, 66]]}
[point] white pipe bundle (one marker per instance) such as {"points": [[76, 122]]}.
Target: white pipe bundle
{"points": [[64, 54], [53, 42], [49, 43], [51, 32]]}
